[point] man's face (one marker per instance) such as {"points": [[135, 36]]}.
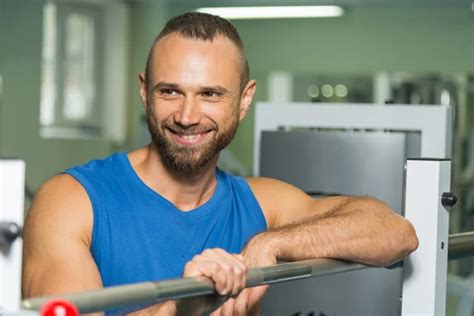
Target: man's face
{"points": [[193, 100]]}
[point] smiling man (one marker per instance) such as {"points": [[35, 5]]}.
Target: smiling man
{"points": [[165, 210]]}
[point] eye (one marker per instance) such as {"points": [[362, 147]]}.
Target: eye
{"points": [[168, 91], [211, 94]]}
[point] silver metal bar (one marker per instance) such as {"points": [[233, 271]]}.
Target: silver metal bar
{"points": [[155, 292], [461, 246]]}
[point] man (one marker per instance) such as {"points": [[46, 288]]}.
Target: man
{"points": [[148, 214]]}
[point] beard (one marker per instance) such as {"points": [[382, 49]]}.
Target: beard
{"points": [[189, 160]]}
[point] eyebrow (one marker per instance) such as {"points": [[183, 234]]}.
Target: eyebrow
{"points": [[171, 85], [164, 85]]}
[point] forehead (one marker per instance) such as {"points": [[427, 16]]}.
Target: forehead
{"points": [[196, 62]]}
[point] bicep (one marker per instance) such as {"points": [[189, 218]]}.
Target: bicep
{"points": [[283, 203], [63, 267], [56, 255]]}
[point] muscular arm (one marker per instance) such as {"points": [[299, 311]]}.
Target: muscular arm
{"points": [[358, 229], [57, 236]]}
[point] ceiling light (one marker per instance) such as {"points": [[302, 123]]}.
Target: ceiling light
{"points": [[270, 12]]}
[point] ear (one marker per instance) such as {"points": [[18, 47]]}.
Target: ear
{"points": [[143, 89], [246, 98]]}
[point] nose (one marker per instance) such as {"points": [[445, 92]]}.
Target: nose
{"points": [[188, 113]]}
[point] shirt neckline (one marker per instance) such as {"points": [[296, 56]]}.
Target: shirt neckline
{"points": [[198, 212]]}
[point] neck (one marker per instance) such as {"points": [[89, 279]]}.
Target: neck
{"points": [[185, 192]]}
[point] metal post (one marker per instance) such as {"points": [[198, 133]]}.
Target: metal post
{"points": [[12, 187], [425, 271]]}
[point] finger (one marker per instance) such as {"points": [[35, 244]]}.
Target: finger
{"points": [[214, 303], [221, 275], [217, 272], [190, 268], [239, 267], [237, 281], [217, 312], [240, 272], [237, 259], [227, 271], [228, 308], [240, 279], [241, 303], [254, 310], [256, 294]]}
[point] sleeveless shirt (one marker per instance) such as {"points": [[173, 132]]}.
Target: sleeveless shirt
{"points": [[138, 235]]}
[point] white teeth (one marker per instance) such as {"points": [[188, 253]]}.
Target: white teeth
{"points": [[190, 137]]}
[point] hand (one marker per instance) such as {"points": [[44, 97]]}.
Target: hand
{"points": [[257, 253], [227, 271]]}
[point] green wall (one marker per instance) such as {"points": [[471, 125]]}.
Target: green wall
{"points": [[366, 40], [21, 41]]}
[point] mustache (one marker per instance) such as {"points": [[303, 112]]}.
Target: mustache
{"points": [[189, 130]]}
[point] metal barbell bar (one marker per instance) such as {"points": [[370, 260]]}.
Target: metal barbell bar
{"points": [[155, 292], [460, 246]]}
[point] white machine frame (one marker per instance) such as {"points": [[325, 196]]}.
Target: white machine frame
{"points": [[434, 122], [425, 272], [12, 192]]}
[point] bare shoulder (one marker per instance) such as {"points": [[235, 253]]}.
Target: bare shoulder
{"points": [[265, 187], [268, 186], [61, 205], [284, 203], [277, 198], [57, 238]]}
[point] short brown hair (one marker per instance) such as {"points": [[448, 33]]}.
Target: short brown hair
{"points": [[206, 27]]}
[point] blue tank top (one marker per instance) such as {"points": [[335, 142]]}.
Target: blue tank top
{"points": [[138, 235]]}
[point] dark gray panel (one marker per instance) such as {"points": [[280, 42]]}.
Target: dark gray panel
{"points": [[373, 292], [359, 163], [339, 162]]}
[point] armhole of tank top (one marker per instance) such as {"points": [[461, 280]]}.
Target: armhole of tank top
{"points": [[85, 183], [256, 209]]}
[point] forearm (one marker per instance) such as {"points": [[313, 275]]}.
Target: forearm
{"points": [[358, 229]]}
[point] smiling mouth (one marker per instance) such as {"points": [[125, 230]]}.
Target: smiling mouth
{"points": [[189, 139]]}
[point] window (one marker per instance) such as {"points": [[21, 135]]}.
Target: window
{"points": [[79, 39]]}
